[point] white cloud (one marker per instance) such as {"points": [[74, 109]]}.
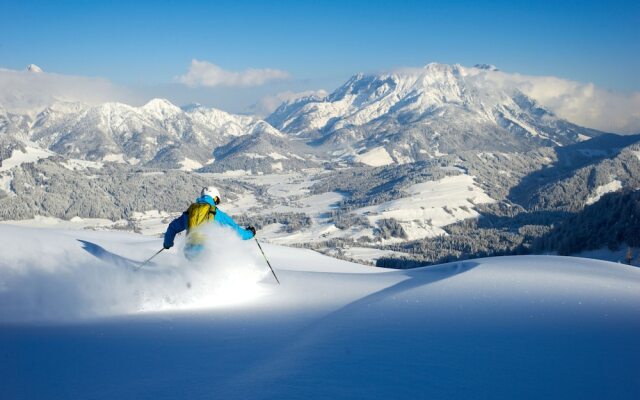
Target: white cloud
{"points": [[203, 73], [581, 103], [268, 104], [25, 91]]}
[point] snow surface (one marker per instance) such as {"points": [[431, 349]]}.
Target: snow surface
{"points": [[75, 326], [604, 189], [431, 205], [277, 156], [81, 165], [117, 158], [5, 183], [618, 256], [32, 154], [375, 157], [370, 254], [189, 165], [152, 222], [40, 221]]}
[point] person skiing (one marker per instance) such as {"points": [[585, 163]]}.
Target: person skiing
{"points": [[204, 210]]}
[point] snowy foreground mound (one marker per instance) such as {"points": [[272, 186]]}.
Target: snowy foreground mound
{"points": [[77, 321]]}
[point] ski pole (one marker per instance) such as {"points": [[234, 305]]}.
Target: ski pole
{"points": [[268, 263], [148, 260]]}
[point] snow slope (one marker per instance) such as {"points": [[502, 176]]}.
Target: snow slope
{"points": [[18, 158], [431, 205], [604, 189], [74, 326]]}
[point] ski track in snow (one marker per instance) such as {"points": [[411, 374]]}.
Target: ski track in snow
{"points": [[75, 326]]}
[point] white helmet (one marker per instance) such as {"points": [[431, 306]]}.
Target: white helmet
{"points": [[211, 191]]}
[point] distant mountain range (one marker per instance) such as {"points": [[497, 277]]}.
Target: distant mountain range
{"points": [[382, 119], [423, 113], [158, 133]]}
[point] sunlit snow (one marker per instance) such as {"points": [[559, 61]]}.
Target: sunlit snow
{"points": [[74, 311]]}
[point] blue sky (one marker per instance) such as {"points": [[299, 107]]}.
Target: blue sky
{"points": [[319, 44]]}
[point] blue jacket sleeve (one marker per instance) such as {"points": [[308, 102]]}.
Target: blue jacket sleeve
{"points": [[176, 226], [223, 219]]}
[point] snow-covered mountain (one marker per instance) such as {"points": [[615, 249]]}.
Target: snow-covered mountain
{"points": [[399, 117], [265, 150], [157, 133], [34, 68], [416, 114]]}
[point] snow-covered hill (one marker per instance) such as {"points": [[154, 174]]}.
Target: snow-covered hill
{"points": [[416, 114], [75, 325]]}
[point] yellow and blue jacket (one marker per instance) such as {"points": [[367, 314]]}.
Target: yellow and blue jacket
{"points": [[203, 210]]}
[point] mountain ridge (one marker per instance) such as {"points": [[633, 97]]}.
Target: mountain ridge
{"points": [[398, 117], [422, 113], [131, 134]]}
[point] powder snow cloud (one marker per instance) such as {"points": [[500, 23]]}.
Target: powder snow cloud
{"points": [[206, 74]]}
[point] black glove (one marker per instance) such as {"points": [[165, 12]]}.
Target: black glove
{"points": [[167, 247], [252, 229]]}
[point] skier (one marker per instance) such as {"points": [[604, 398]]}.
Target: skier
{"points": [[205, 209]]}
